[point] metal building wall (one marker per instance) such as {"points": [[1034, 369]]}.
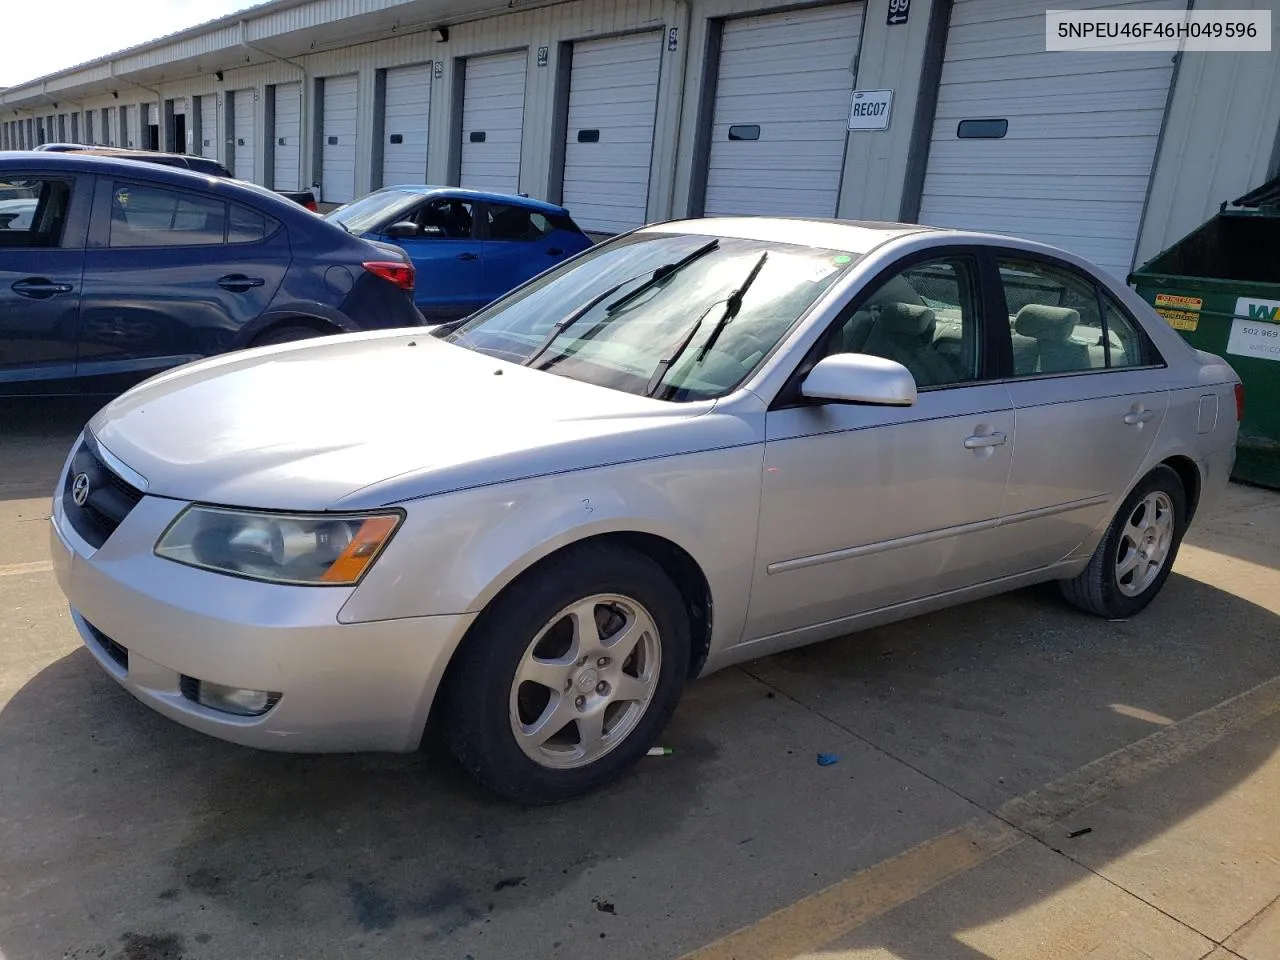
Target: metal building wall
{"points": [[1221, 137], [548, 26]]}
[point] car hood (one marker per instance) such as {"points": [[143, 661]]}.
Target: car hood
{"points": [[370, 419]]}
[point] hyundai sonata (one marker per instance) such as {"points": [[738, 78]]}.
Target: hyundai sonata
{"points": [[697, 443]]}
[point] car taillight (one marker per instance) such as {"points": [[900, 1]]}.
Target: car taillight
{"points": [[311, 205], [401, 274], [1239, 402]]}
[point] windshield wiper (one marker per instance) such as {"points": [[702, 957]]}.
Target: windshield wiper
{"points": [[657, 276], [732, 304], [563, 324], [660, 274]]}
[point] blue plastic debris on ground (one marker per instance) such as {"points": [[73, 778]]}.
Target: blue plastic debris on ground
{"points": [[827, 759]]}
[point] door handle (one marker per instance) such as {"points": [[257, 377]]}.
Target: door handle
{"points": [[1138, 415], [39, 288], [467, 256], [554, 252], [990, 440], [239, 283]]}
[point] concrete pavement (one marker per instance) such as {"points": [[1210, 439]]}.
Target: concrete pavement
{"points": [[1015, 780]]}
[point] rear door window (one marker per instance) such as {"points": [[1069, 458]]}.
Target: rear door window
{"points": [[1060, 321], [33, 212], [516, 223], [248, 226], [147, 216]]}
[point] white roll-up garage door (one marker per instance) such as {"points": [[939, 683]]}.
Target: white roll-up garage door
{"points": [[242, 156], [1068, 151], [783, 90], [338, 146], [406, 119], [288, 136], [493, 122], [613, 90], [208, 126]]}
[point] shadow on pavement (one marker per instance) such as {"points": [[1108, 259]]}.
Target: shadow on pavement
{"points": [[35, 437]]}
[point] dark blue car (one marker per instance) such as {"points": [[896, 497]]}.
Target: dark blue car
{"points": [[469, 247], [124, 269]]}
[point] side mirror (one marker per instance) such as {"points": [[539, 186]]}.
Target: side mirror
{"points": [[403, 228], [860, 378]]}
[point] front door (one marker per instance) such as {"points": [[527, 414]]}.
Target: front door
{"points": [[446, 254], [1089, 397], [170, 276], [42, 236], [865, 507]]}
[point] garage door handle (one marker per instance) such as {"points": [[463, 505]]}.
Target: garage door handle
{"points": [[467, 256], [239, 283], [38, 288], [990, 440], [1138, 415]]}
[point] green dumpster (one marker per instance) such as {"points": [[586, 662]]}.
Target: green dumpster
{"points": [[1219, 286]]}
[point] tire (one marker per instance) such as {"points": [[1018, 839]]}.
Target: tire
{"points": [[286, 334], [517, 737], [1105, 587]]}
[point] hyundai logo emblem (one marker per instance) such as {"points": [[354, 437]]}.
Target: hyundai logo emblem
{"points": [[80, 489]]}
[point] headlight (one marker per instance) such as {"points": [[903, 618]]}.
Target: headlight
{"points": [[327, 549]]}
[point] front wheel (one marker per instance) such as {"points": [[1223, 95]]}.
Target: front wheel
{"points": [[1136, 555], [569, 676]]}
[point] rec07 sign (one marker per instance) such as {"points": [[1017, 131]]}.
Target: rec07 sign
{"points": [[870, 109]]}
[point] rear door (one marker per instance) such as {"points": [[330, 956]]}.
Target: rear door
{"points": [[171, 275], [519, 243], [446, 254], [43, 219], [1089, 396]]}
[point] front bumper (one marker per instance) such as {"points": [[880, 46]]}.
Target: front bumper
{"points": [[149, 622]]}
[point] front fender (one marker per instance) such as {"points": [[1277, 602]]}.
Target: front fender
{"points": [[458, 551]]}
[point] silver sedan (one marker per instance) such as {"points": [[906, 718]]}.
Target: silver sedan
{"points": [[695, 444]]}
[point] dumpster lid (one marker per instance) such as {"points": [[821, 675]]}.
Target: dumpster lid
{"points": [[1267, 195]]}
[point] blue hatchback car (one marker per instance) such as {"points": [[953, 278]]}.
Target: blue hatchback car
{"points": [[469, 247], [113, 270]]}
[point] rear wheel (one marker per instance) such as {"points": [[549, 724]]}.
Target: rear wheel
{"points": [[569, 676], [1137, 553], [286, 334]]}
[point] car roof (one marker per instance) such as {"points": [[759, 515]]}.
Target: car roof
{"points": [[851, 236], [102, 163], [151, 156], [483, 196]]}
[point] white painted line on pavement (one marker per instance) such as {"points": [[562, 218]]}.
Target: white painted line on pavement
{"points": [[19, 569]]}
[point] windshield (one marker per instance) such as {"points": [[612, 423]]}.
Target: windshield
{"points": [[678, 316], [368, 212]]}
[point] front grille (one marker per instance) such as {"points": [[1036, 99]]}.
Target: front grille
{"points": [[190, 688], [112, 649], [109, 499]]}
